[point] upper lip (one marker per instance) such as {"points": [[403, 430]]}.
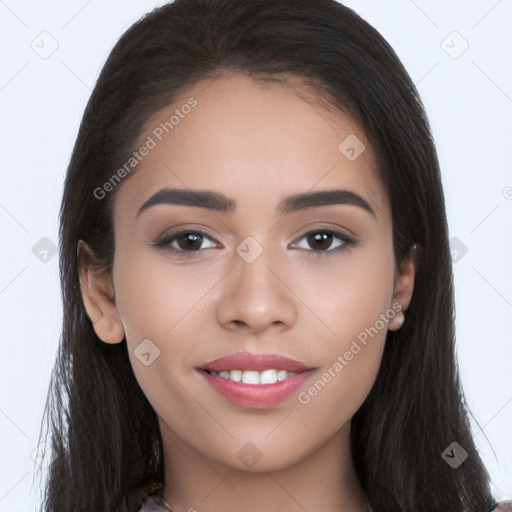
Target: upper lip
{"points": [[257, 362]]}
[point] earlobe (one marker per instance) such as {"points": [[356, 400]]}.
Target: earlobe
{"points": [[404, 286], [98, 296], [397, 321]]}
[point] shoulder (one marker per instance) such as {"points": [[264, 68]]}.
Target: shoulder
{"points": [[504, 506]]}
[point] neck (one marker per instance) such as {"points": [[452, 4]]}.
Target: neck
{"points": [[323, 480]]}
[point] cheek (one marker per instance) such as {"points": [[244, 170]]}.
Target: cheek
{"points": [[153, 294], [163, 302], [352, 306], [348, 294], [153, 301], [351, 347]]}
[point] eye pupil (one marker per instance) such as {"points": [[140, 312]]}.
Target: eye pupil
{"points": [[187, 237], [323, 238]]}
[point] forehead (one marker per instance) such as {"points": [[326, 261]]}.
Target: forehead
{"points": [[253, 141]]}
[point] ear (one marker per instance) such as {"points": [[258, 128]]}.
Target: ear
{"points": [[98, 295], [404, 285]]}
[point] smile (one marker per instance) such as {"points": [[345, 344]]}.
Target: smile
{"points": [[256, 394], [253, 377], [255, 380]]}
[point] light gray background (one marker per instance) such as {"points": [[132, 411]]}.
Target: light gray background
{"points": [[468, 97]]}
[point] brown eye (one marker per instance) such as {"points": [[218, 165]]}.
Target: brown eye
{"points": [[183, 243], [189, 240], [320, 241]]}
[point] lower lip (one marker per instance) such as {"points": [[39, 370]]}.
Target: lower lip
{"points": [[256, 395]]}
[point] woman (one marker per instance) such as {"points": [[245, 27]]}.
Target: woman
{"points": [[257, 284]]}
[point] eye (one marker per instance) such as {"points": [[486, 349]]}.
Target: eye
{"points": [[187, 242], [322, 239]]}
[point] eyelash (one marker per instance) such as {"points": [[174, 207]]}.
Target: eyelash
{"points": [[164, 242]]}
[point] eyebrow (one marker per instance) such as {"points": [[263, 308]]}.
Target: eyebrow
{"points": [[213, 200]]}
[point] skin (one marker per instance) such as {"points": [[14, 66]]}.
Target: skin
{"points": [[256, 144]]}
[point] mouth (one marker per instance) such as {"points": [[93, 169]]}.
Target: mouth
{"points": [[254, 377], [255, 380]]}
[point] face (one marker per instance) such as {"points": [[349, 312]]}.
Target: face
{"points": [[314, 282]]}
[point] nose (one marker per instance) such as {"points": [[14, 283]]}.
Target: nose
{"points": [[256, 296]]}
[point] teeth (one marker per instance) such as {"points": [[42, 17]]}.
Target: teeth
{"points": [[249, 377], [235, 375], [268, 377], [254, 377], [282, 374]]}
